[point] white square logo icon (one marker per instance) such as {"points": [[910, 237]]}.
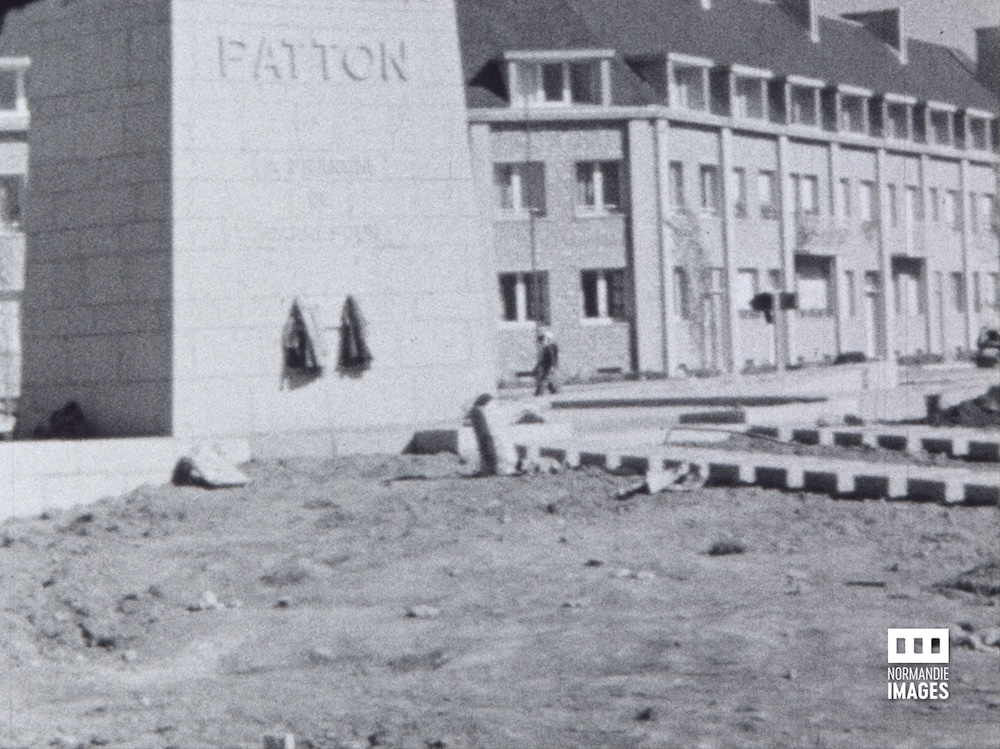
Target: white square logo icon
{"points": [[918, 645]]}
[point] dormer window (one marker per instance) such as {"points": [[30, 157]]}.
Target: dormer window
{"points": [[978, 128], [803, 101], [940, 124], [689, 82], [562, 78], [898, 113], [749, 92], [853, 109]]}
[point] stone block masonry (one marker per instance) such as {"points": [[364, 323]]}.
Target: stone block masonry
{"points": [[222, 160]]}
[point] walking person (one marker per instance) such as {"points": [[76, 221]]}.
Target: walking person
{"points": [[548, 362]]}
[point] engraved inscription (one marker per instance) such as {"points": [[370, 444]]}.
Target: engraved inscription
{"points": [[317, 59]]}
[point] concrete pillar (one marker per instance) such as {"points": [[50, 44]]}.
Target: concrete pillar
{"points": [[971, 330], [837, 212], [646, 246], [667, 320], [888, 318], [932, 294], [729, 249], [786, 320]]}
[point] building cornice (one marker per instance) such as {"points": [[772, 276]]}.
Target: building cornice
{"points": [[674, 116]]}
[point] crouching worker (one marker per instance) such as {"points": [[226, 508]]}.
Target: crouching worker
{"points": [[548, 363]]}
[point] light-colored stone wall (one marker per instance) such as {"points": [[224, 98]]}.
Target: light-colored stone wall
{"points": [[320, 150]]}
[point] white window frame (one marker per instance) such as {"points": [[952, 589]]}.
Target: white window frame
{"points": [[800, 193], [811, 86], [677, 63], [710, 189], [521, 298], [741, 207], [518, 63], [768, 198], [757, 76], [603, 284], [850, 95], [598, 173], [747, 280], [947, 111], [985, 121], [518, 173]]}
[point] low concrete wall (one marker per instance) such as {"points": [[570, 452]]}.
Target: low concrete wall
{"points": [[57, 474]]}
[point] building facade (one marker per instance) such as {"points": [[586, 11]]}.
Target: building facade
{"points": [[650, 171]]}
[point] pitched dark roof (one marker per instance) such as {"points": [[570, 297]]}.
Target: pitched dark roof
{"points": [[744, 32]]}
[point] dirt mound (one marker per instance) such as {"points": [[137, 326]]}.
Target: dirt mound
{"points": [[982, 411]]}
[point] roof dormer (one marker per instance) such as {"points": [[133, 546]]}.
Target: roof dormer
{"points": [[884, 25], [559, 77]]}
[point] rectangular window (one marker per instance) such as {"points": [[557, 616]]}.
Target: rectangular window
{"points": [[740, 192], [598, 186], [524, 297], [682, 294], [689, 86], [867, 202], [845, 197], [908, 285], [604, 295], [973, 213], [677, 185], [558, 83], [748, 97], [953, 209], [994, 290], [853, 114], [914, 205], [767, 194], [897, 117], [804, 105], [988, 206], [709, 188], [585, 83], [977, 294], [746, 288], [934, 199], [892, 198], [805, 188], [850, 293], [10, 200], [958, 292], [940, 123], [520, 188], [813, 283], [978, 134]]}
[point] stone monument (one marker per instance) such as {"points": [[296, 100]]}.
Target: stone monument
{"points": [[196, 168]]}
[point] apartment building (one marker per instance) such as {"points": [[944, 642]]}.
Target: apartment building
{"points": [[13, 169], [650, 167]]}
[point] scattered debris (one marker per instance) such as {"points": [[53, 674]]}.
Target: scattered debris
{"points": [[593, 563], [725, 548], [682, 477], [982, 411], [207, 468], [865, 583], [423, 611], [207, 602], [646, 714], [280, 742], [627, 574]]}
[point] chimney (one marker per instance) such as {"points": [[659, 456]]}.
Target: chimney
{"points": [[803, 11], [988, 58], [884, 25]]}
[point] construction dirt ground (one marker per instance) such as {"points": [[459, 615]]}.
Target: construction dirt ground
{"points": [[398, 602]]}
